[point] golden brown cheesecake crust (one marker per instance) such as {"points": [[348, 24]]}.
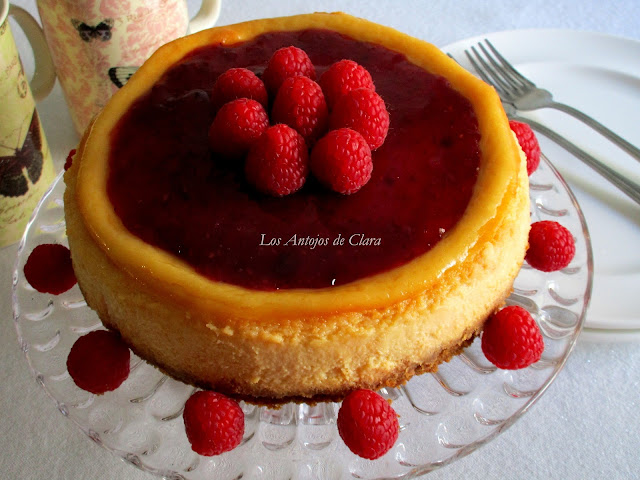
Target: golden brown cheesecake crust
{"points": [[302, 344]]}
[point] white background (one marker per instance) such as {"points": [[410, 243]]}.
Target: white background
{"points": [[586, 426]]}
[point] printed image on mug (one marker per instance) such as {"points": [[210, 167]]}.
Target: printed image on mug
{"points": [[23, 166], [26, 168]]}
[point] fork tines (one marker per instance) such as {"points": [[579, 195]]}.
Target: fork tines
{"points": [[496, 70]]}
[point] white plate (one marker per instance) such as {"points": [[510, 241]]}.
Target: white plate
{"points": [[600, 75]]}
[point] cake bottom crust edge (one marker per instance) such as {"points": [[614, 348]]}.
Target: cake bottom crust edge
{"points": [[394, 380]]}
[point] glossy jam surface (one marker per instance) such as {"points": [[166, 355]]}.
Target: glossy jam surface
{"points": [[169, 189]]}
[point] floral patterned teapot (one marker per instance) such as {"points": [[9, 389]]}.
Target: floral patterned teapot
{"points": [[97, 44]]}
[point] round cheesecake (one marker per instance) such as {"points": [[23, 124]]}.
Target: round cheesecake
{"points": [[309, 296]]}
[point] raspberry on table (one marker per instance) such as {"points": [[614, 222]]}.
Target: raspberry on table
{"points": [[528, 142], [49, 269], [300, 104], [342, 77], [341, 160], [367, 424], [238, 83], [278, 163], [237, 125], [362, 110], [551, 246], [284, 63], [213, 422], [99, 361], [511, 339]]}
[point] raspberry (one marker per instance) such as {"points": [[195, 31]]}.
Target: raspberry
{"points": [[278, 163], [364, 111], [284, 63], [49, 270], [214, 423], [342, 77], [238, 83], [511, 339], [99, 361], [551, 246], [300, 104], [69, 160], [238, 124], [529, 144], [342, 161], [367, 424]]}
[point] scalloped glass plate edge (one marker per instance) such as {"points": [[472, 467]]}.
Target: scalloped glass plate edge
{"points": [[444, 416]]}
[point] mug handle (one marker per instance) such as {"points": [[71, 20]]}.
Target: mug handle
{"points": [[206, 16], [44, 75]]}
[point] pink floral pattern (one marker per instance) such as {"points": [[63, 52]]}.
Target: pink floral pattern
{"points": [[138, 28]]}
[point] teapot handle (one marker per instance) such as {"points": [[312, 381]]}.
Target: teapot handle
{"points": [[206, 16], [44, 75]]}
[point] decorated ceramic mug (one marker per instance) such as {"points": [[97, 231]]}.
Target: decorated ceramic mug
{"points": [[97, 44], [26, 168]]}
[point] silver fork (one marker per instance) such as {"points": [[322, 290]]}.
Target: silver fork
{"points": [[629, 187], [521, 92]]}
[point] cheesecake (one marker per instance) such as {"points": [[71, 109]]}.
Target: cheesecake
{"points": [[310, 296]]}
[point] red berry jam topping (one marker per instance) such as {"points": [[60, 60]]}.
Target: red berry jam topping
{"points": [[99, 361], [48, 269], [172, 191]]}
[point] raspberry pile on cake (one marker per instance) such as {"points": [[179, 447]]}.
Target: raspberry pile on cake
{"points": [[342, 114]]}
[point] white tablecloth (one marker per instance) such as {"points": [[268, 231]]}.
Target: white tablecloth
{"points": [[586, 426]]}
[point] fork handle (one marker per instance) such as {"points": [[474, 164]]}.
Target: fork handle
{"points": [[597, 126], [629, 187]]}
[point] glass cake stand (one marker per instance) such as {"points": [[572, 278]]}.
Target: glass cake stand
{"points": [[443, 416]]}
